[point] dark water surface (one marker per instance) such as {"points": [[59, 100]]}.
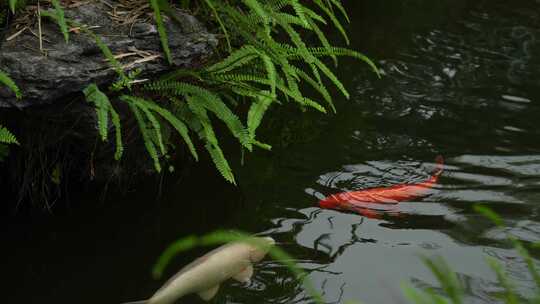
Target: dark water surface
{"points": [[461, 79]]}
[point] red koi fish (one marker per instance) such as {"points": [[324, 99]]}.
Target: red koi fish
{"points": [[375, 202]]}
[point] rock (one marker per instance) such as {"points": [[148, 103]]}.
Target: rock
{"points": [[57, 128], [67, 68]]}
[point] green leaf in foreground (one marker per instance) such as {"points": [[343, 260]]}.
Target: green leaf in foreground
{"points": [[489, 214], [222, 237]]}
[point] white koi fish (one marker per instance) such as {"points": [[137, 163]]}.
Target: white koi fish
{"points": [[204, 275]]}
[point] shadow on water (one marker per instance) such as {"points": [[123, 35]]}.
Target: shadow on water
{"points": [[461, 79]]}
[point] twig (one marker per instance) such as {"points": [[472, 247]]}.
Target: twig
{"points": [[39, 28], [142, 60], [16, 34]]}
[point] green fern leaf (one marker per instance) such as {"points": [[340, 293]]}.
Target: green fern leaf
{"points": [[339, 5], [220, 162], [156, 127], [143, 127], [256, 113], [220, 109], [161, 30], [212, 7], [61, 19], [313, 15], [7, 81], [300, 12], [323, 40], [12, 5], [320, 88], [107, 53], [334, 19], [271, 70], [320, 52], [236, 59], [256, 7], [332, 77], [101, 103], [178, 125], [6, 137], [104, 108], [115, 118], [211, 102], [212, 145]]}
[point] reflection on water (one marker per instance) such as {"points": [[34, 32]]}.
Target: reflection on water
{"points": [[468, 89], [461, 79]]}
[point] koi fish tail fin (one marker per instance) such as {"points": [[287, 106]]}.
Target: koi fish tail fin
{"points": [[440, 165]]}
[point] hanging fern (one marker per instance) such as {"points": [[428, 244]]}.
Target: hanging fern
{"points": [[6, 137], [61, 19], [268, 63], [103, 110], [207, 134], [144, 110], [8, 82], [12, 5], [161, 29]]}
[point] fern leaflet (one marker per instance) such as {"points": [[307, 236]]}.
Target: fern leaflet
{"points": [[61, 20], [8, 82], [6, 137]]}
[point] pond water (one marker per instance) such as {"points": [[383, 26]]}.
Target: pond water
{"points": [[460, 79]]}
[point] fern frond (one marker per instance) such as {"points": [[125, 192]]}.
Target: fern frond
{"points": [[115, 119], [161, 30], [220, 162], [295, 37], [211, 102], [220, 109], [256, 7], [291, 19], [334, 19], [6, 137], [178, 125], [61, 19], [324, 41], [101, 103], [332, 77], [212, 7], [106, 52], [299, 9], [212, 145], [337, 51], [235, 60], [294, 94], [339, 5], [104, 108], [8, 82], [271, 72], [314, 16], [156, 126], [256, 113], [143, 127], [320, 88], [12, 5]]}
